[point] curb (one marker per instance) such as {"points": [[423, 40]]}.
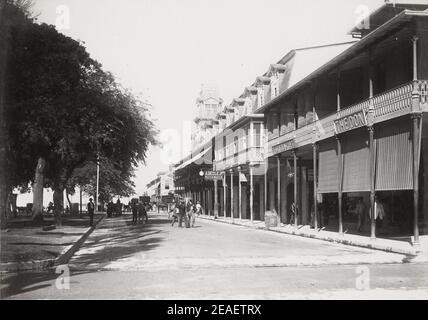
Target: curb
{"points": [[373, 246], [63, 258]]}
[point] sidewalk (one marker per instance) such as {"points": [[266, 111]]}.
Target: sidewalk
{"points": [[401, 247], [25, 246]]}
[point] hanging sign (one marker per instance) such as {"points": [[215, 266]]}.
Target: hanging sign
{"points": [[213, 175], [285, 146]]}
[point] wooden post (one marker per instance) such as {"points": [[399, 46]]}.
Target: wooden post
{"points": [[372, 183], [81, 204], [224, 195], [278, 164], [315, 187], [339, 186], [340, 162], [239, 194], [251, 195], [216, 199], [265, 198], [416, 139], [231, 194], [296, 208], [372, 153], [416, 119]]}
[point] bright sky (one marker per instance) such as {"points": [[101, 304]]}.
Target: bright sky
{"points": [[166, 49]]}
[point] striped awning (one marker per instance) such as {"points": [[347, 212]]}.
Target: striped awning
{"points": [[328, 167], [356, 161], [394, 155]]}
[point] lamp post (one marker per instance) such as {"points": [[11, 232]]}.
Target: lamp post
{"points": [[98, 181]]}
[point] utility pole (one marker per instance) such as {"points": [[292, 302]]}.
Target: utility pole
{"points": [[98, 182]]}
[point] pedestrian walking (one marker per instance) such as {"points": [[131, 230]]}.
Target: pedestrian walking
{"points": [[134, 209], [91, 209], [181, 213], [110, 209], [173, 212], [293, 210], [198, 208], [190, 213], [118, 207], [141, 211]]}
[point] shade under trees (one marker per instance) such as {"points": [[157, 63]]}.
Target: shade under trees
{"points": [[59, 112]]}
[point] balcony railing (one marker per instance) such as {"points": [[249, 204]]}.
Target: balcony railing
{"points": [[249, 155], [387, 105], [392, 101]]}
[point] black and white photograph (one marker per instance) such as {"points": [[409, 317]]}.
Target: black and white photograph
{"points": [[215, 155]]}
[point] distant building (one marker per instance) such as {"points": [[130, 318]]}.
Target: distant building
{"points": [[160, 187], [208, 105]]}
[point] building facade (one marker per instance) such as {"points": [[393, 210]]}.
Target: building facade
{"points": [[160, 187], [330, 129]]}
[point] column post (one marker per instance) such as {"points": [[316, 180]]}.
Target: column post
{"points": [[296, 207], [265, 198], [239, 194], [416, 120], [278, 171], [315, 147], [372, 151], [339, 184], [251, 195], [224, 195], [216, 199], [231, 194]]}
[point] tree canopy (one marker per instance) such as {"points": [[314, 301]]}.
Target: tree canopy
{"points": [[60, 105]]}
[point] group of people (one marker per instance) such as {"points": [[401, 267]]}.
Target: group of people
{"points": [[139, 211], [185, 211], [114, 208]]}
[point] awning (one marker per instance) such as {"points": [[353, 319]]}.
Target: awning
{"points": [[328, 167], [356, 161], [200, 158], [394, 156]]}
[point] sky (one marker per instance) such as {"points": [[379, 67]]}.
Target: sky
{"points": [[166, 49]]}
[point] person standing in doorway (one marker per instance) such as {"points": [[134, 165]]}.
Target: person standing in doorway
{"points": [[91, 209], [361, 214]]}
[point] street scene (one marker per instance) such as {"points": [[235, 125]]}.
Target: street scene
{"points": [[120, 260], [213, 150]]}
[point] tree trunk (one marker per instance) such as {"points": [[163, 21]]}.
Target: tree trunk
{"points": [[58, 198], [4, 137], [37, 211], [68, 200]]}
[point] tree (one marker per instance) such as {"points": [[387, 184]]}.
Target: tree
{"points": [[63, 110]]}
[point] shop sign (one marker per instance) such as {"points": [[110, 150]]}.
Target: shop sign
{"points": [[285, 146], [213, 175], [350, 122]]}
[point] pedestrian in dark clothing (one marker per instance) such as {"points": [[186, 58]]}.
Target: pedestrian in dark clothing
{"points": [[118, 207], [142, 212], [91, 209], [134, 209], [181, 213], [110, 209]]}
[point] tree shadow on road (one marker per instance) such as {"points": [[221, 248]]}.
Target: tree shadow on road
{"points": [[18, 283], [108, 244]]}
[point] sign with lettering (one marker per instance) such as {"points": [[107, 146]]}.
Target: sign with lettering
{"points": [[285, 146], [350, 122], [214, 175]]}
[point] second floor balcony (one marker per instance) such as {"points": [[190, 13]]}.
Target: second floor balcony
{"points": [[388, 105]]}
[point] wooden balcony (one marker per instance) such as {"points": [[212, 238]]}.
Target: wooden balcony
{"points": [[251, 155], [387, 105]]}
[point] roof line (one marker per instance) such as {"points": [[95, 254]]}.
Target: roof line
{"points": [[339, 57]]}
